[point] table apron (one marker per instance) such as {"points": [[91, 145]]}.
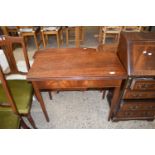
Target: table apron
{"points": [[77, 84]]}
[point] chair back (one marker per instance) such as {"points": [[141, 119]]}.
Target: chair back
{"points": [[7, 93], [7, 45], [112, 29], [132, 28]]}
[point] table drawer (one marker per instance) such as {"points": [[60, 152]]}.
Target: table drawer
{"points": [[135, 115], [137, 106], [77, 84], [143, 84], [133, 94]]}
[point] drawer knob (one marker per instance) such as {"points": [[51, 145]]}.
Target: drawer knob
{"points": [[147, 53]]}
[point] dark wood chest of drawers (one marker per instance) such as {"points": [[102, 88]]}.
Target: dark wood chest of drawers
{"points": [[137, 98]]}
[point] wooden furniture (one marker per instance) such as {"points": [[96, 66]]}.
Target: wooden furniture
{"points": [[9, 119], [112, 31], [21, 90], [80, 69], [74, 33], [12, 30], [27, 31], [52, 30], [132, 28], [137, 53]]}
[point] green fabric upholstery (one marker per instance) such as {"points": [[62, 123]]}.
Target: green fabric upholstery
{"points": [[22, 93], [8, 120]]}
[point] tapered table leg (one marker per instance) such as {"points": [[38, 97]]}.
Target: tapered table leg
{"points": [[40, 99]]}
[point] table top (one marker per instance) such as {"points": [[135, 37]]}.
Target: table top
{"points": [[75, 64]]}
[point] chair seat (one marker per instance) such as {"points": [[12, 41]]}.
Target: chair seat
{"points": [[8, 120], [28, 29], [51, 28], [22, 98]]}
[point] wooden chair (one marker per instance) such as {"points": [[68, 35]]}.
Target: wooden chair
{"points": [[132, 28], [9, 115], [52, 30], [20, 90], [12, 30], [70, 34], [26, 31], [109, 31]]}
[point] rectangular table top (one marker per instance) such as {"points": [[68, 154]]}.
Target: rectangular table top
{"points": [[75, 64]]}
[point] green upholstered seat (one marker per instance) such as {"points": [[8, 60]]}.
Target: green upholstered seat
{"points": [[22, 93], [8, 120]]}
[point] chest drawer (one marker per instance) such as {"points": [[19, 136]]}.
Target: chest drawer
{"points": [[135, 115], [138, 106], [133, 94], [143, 84]]}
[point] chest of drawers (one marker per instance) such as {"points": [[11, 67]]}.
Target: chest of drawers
{"points": [[136, 51]]}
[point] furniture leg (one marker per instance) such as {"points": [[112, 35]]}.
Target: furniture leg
{"points": [[103, 94], [36, 42], [50, 95], [40, 99], [43, 39], [58, 40], [23, 124], [77, 36], [67, 37], [100, 34], [61, 36], [104, 37], [114, 101], [29, 117]]}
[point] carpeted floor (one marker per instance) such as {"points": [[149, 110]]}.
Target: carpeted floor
{"points": [[77, 109]]}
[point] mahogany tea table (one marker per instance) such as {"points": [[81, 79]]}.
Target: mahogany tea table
{"points": [[76, 69]]}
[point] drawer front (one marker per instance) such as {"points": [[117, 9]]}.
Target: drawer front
{"points": [[143, 84], [77, 84], [135, 115], [133, 106], [133, 94]]}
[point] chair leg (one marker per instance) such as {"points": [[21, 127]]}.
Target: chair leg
{"points": [[61, 36], [36, 42], [104, 38], [103, 94], [50, 95], [43, 39], [67, 37], [82, 34], [58, 40], [29, 117], [23, 124]]}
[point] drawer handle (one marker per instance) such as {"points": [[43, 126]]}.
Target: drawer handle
{"points": [[133, 107], [136, 95], [144, 86], [127, 114]]}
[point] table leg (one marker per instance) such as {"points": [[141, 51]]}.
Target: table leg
{"points": [[114, 101], [40, 99]]}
